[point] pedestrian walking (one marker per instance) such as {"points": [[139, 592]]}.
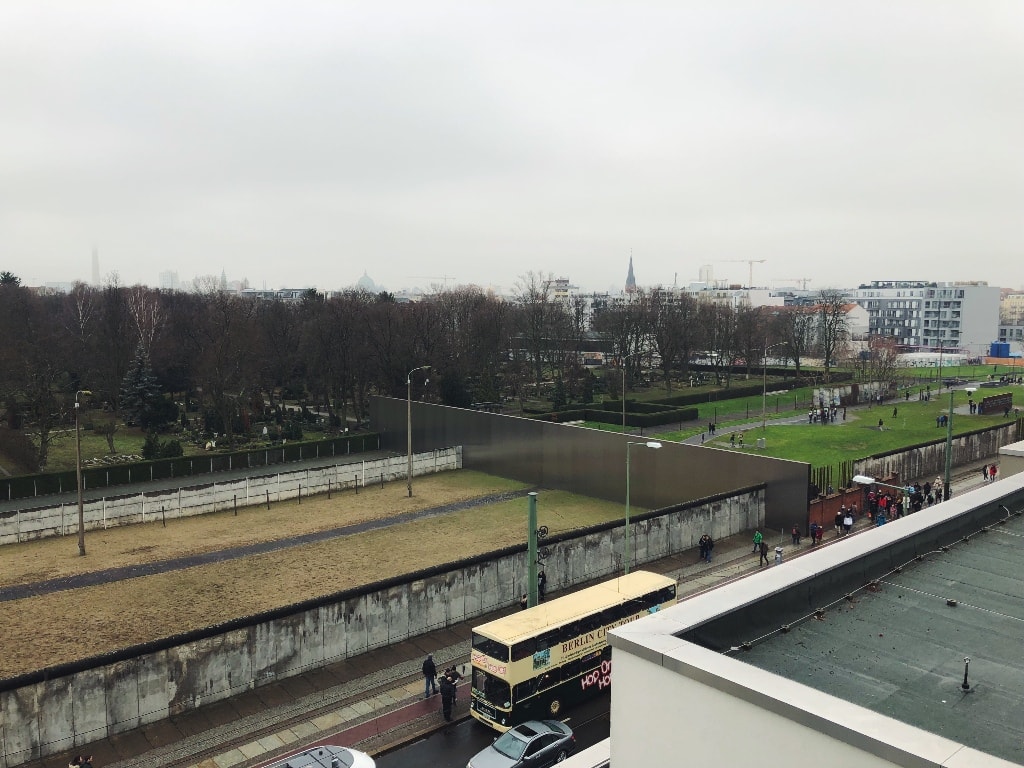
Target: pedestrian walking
{"points": [[838, 520], [847, 523], [992, 473], [814, 533], [984, 473], [763, 560], [758, 538], [542, 583], [447, 697], [796, 534], [429, 675]]}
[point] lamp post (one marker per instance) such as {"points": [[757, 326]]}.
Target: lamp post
{"points": [[408, 423], [78, 475], [764, 383], [949, 443], [629, 535]]}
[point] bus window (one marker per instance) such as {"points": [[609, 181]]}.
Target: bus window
{"points": [[548, 640], [569, 631], [590, 661], [494, 649], [525, 689], [523, 650], [548, 679], [493, 689], [571, 670]]}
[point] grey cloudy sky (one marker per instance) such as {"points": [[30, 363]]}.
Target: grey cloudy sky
{"points": [[301, 143]]}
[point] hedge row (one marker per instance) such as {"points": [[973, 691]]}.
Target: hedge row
{"points": [[45, 484]]}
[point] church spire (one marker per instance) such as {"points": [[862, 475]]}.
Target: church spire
{"points": [[630, 279]]}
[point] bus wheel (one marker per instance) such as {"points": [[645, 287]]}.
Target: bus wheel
{"points": [[554, 706], [562, 754]]}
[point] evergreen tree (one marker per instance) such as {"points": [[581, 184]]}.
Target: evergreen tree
{"points": [[140, 392]]}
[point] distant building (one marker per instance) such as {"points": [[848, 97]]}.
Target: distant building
{"points": [[169, 281], [365, 283], [927, 315]]}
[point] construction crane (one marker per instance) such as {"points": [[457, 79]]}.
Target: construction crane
{"points": [[751, 262], [444, 280], [802, 280]]}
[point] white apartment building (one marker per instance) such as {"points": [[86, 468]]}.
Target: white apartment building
{"points": [[961, 315]]}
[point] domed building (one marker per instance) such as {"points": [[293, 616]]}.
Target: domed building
{"points": [[365, 283]]}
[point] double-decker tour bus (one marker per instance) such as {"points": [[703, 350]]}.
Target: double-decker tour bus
{"points": [[530, 665]]}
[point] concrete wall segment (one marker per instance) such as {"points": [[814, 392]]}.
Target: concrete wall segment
{"points": [[177, 674], [128, 509]]}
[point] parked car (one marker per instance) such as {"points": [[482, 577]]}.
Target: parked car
{"points": [[325, 756], [535, 743]]}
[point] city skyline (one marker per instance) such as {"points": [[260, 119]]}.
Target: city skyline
{"points": [[450, 144]]}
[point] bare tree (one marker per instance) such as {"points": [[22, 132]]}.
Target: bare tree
{"points": [[532, 295], [833, 327], [718, 333], [147, 313], [882, 360], [794, 327]]}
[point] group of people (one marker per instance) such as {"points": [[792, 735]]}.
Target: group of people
{"points": [[989, 473], [884, 505], [81, 761], [845, 518], [447, 686], [706, 544], [761, 546]]}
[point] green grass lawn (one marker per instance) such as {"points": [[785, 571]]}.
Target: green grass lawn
{"points": [[62, 449], [859, 436]]}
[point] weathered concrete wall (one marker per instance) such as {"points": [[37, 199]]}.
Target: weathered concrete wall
{"points": [[929, 461], [60, 709], [126, 509]]}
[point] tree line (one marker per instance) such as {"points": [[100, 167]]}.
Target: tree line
{"points": [[141, 351]]}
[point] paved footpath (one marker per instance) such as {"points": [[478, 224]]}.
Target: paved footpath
{"points": [[374, 701]]}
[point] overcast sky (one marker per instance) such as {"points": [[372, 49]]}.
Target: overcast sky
{"points": [[427, 143]]}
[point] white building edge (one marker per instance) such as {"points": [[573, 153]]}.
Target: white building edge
{"points": [[677, 703]]}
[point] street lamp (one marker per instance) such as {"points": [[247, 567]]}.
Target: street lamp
{"points": [[78, 475], [629, 540], [949, 443], [408, 422], [764, 384]]}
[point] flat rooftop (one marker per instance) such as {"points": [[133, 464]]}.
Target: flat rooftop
{"points": [[881, 621], [898, 646]]}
